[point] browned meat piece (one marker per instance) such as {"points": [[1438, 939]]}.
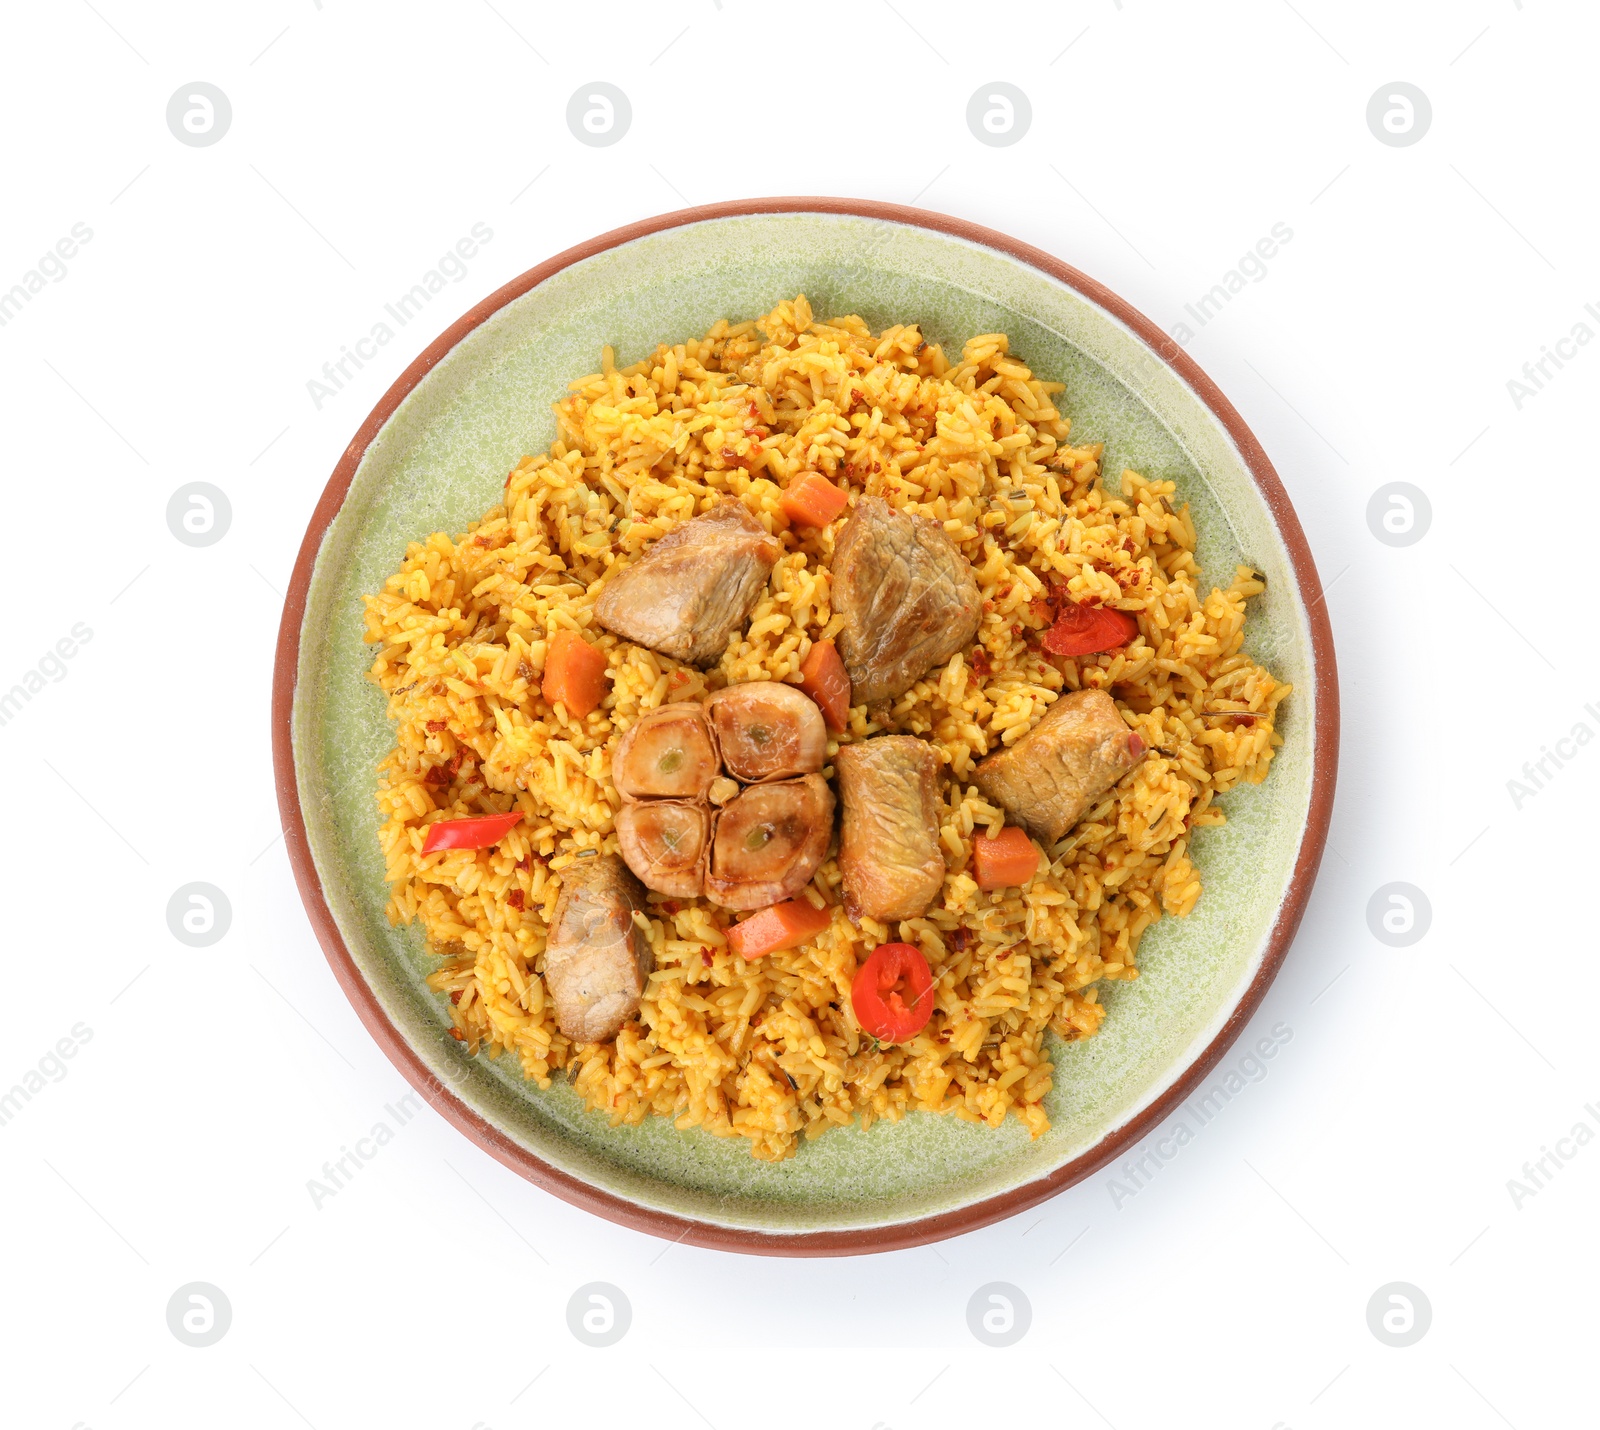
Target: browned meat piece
{"points": [[769, 842], [596, 960], [1048, 780], [667, 755], [889, 841], [907, 595], [768, 731], [664, 843], [691, 590]]}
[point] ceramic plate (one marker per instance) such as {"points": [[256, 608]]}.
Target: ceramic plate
{"points": [[433, 455]]}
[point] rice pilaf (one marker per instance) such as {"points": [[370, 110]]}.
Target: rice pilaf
{"points": [[769, 1049]]}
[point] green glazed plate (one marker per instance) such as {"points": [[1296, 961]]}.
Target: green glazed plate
{"points": [[433, 456]]}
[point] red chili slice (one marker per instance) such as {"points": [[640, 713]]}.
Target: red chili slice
{"points": [[893, 993], [479, 832], [1088, 630]]}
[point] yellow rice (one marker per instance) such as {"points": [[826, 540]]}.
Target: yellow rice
{"points": [[769, 1050]]}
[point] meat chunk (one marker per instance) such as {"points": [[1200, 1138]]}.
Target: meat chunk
{"points": [[907, 595], [1048, 780], [691, 590], [597, 959], [664, 843], [769, 842], [768, 731], [889, 841], [667, 755]]}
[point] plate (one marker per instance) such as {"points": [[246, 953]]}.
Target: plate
{"points": [[432, 456]]}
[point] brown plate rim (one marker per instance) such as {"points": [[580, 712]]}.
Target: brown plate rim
{"points": [[854, 1241]]}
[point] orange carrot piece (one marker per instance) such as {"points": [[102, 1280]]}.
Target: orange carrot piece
{"points": [[813, 501], [782, 926], [1004, 863], [574, 674], [824, 679]]}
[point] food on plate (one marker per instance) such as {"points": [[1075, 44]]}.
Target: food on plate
{"points": [[889, 838], [596, 959], [823, 678], [769, 842], [691, 590], [907, 595], [1007, 860], [1051, 777], [767, 731], [667, 755], [664, 842], [892, 995], [653, 529]]}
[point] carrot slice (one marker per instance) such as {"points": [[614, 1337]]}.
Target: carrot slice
{"points": [[824, 679], [813, 501], [1004, 863], [782, 926], [574, 674]]}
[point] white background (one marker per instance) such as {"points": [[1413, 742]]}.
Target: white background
{"points": [[1166, 139]]}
